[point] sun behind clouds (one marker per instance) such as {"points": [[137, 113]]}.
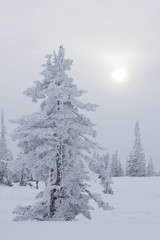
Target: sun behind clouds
{"points": [[119, 74]]}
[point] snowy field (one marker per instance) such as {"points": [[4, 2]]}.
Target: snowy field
{"points": [[136, 215]]}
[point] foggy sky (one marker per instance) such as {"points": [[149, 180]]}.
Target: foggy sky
{"points": [[100, 36]]}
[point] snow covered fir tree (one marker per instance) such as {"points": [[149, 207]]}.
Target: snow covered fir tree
{"points": [[136, 162], [100, 164], [5, 156], [105, 174], [21, 171], [57, 143], [116, 166], [150, 171]]}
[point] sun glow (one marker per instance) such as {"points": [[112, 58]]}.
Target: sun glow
{"points": [[119, 74]]}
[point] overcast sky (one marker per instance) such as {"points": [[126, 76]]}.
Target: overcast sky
{"points": [[100, 36]]}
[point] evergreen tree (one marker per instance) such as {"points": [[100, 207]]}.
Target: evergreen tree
{"points": [[5, 157], [120, 169], [136, 161], [59, 137], [100, 164], [115, 165], [150, 168], [105, 174], [21, 172]]}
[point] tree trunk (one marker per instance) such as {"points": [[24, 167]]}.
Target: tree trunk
{"points": [[58, 166], [54, 193], [36, 184], [21, 183]]}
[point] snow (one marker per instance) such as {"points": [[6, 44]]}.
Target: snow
{"points": [[136, 214]]}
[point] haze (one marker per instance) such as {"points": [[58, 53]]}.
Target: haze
{"points": [[100, 36]]}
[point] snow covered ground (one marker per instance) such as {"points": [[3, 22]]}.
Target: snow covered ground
{"points": [[136, 215]]}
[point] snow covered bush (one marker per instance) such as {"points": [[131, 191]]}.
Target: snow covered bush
{"points": [[59, 138]]}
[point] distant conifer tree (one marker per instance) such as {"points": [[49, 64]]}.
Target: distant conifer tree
{"points": [[5, 156], [136, 161], [150, 168]]}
